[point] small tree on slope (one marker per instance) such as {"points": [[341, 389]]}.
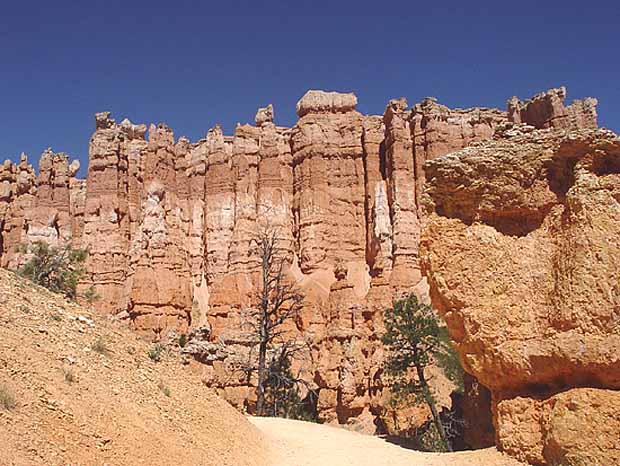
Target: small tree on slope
{"points": [[57, 269], [414, 339]]}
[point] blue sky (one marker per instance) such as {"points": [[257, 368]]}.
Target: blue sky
{"points": [[195, 64]]}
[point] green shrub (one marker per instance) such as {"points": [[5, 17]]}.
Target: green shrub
{"points": [[57, 269], [156, 352], [91, 295], [414, 339], [182, 340]]}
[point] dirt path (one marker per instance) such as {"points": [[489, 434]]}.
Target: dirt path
{"points": [[297, 443]]}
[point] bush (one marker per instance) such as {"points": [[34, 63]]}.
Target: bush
{"points": [[164, 389], [69, 374], [57, 269], [283, 390], [99, 346], [156, 352], [91, 295], [7, 400]]}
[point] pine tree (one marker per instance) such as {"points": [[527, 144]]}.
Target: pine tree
{"points": [[414, 339]]}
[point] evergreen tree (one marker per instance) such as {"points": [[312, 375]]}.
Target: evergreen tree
{"points": [[414, 339]]}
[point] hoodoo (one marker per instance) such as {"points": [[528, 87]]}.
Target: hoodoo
{"points": [[510, 216]]}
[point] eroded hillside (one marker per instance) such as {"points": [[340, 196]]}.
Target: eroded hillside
{"points": [[86, 392]]}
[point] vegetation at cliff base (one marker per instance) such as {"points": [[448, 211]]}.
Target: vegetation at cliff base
{"points": [[57, 269], [414, 340]]}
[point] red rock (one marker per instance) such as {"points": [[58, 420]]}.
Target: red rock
{"points": [[170, 225], [547, 110], [107, 221]]}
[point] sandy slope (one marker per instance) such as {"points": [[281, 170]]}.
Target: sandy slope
{"points": [[115, 412], [297, 443]]}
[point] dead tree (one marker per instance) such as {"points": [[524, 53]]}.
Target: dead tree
{"points": [[278, 304]]}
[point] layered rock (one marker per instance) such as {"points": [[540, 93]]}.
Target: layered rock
{"points": [[170, 228], [157, 292], [17, 196], [329, 188], [111, 196], [401, 194], [38, 208], [49, 219], [349, 359], [437, 130], [219, 204], [520, 248], [547, 110], [377, 207]]}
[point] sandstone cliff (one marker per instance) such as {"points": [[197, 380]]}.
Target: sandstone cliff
{"points": [[521, 247], [169, 226]]}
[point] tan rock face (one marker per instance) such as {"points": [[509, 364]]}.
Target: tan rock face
{"points": [[326, 102], [401, 194], [157, 291], [519, 248], [110, 192], [349, 359], [37, 208], [438, 130], [547, 110], [578, 426], [377, 207], [17, 196], [169, 225], [328, 182]]}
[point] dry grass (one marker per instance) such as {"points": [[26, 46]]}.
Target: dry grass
{"points": [[99, 346], [7, 399]]}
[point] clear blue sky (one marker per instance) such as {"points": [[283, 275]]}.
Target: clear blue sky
{"points": [[194, 64]]}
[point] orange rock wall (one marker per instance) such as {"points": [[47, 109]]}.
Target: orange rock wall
{"points": [[169, 225]]}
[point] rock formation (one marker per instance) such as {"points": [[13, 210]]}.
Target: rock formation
{"points": [[157, 288], [328, 178], [111, 206], [547, 110], [438, 130], [44, 208], [170, 226], [520, 248]]}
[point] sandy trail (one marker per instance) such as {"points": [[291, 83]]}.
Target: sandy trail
{"points": [[297, 443]]}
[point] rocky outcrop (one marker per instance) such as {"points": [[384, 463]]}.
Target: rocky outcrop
{"points": [[17, 196], [326, 102], [547, 110], [400, 176], [328, 180], [576, 426], [111, 207], [438, 130], [157, 292], [349, 359], [49, 219], [170, 227], [38, 208], [519, 248]]}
